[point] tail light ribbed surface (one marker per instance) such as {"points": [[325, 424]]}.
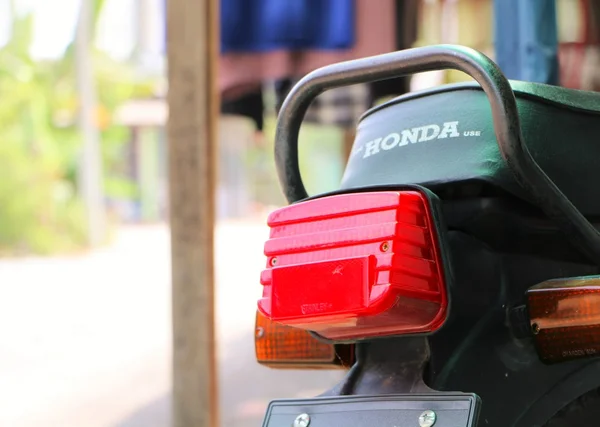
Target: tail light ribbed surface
{"points": [[358, 265]]}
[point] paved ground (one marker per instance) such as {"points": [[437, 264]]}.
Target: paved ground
{"points": [[84, 341]]}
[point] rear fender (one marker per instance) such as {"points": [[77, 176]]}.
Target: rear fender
{"points": [[577, 382], [476, 352]]}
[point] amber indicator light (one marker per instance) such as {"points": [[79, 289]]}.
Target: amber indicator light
{"points": [[280, 346], [565, 318]]}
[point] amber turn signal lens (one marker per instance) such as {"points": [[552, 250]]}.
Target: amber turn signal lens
{"points": [[280, 346], [565, 318]]}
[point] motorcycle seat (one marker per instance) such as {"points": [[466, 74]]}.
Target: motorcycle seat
{"points": [[443, 138]]}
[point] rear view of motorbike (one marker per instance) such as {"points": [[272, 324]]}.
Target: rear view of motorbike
{"points": [[454, 274]]}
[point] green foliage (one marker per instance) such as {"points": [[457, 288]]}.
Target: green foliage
{"points": [[40, 211]]}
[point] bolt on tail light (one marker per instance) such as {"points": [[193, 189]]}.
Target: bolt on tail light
{"points": [[285, 347], [358, 265], [565, 318]]}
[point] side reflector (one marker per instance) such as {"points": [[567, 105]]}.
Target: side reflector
{"points": [[355, 265], [280, 346], [565, 318]]}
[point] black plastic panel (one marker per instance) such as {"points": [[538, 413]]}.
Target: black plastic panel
{"points": [[451, 410]]}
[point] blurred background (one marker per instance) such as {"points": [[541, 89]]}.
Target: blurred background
{"points": [[85, 314]]}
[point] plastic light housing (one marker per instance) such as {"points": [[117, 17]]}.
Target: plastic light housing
{"points": [[354, 266], [285, 347], [565, 318]]}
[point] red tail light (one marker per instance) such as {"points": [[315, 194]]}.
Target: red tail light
{"points": [[356, 265]]}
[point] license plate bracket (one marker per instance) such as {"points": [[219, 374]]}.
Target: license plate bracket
{"points": [[397, 410]]}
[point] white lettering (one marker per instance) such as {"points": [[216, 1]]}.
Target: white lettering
{"points": [[372, 147], [390, 141], [425, 130], [450, 129], [412, 136], [356, 150], [409, 135]]}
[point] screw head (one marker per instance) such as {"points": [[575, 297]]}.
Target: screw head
{"points": [[274, 261], [302, 420], [535, 328], [427, 419], [385, 246]]}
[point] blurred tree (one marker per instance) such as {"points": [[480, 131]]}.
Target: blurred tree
{"points": [[40, 210]]}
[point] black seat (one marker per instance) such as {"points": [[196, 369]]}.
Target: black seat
{"points": [[444, 138]]}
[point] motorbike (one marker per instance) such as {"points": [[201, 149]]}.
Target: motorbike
{"points": [[454, 274]]}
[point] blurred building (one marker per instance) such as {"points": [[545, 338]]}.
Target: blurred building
{"points": [[134, 31], [466, 22], [141, 22]]}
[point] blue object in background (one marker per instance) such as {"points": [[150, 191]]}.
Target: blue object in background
{"points": [[526, 40], [266, 25]]}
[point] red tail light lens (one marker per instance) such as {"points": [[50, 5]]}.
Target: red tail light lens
{"points": [[565, 318], [356, 265]]}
